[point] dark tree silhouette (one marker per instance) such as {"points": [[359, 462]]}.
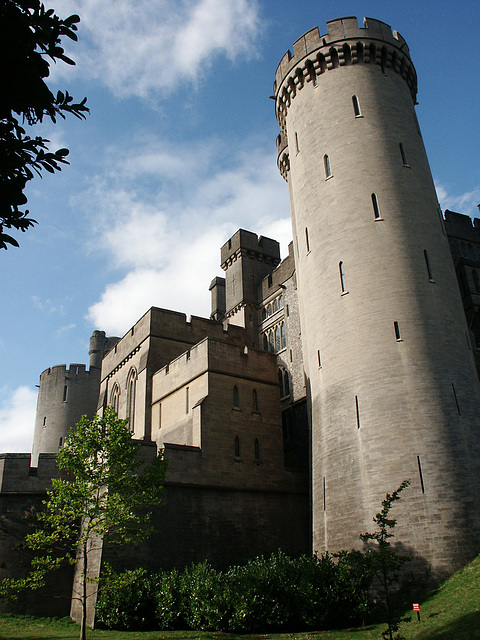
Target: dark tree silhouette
{"points": [[30, 40]]}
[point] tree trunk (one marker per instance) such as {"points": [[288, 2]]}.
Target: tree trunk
{"points": [[83, 577]]}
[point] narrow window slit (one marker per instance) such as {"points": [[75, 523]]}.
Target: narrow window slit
{"points": [[342, 277], [403, 154], [427, 264], [420, 474], [357, 412], [356, 107], [456, 399], [398, 337], [376, 210], [327, 166], [324, 495]]}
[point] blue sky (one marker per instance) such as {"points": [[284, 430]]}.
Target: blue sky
{"points": [[179, 152]]}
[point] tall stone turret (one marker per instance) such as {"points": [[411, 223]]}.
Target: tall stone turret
{"points": [[389, 368], [65, 395], [246, 259]]}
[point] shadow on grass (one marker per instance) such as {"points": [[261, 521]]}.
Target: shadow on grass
{"points": [[465, 627]]}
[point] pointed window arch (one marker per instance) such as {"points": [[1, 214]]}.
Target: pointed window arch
{"points": [[271, 341], [115, 397], [265, 342], [131, 396], [277, 338]]}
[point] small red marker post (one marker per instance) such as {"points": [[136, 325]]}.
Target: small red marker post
{"points": [[416, 607]]}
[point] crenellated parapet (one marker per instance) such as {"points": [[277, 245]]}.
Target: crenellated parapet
{"points": [[345, 43], [77, 372]]}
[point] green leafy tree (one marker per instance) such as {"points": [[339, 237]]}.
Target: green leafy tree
{"points": [[30, 40], [108, 497], [384, 560]]}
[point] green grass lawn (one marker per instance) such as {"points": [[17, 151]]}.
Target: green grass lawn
{"points": [[451, 613]]}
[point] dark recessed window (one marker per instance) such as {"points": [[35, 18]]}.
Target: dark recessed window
{"points": [[327, 166], [397, 331], [403, 154], [376, 210], [356, 106], [342, 277]]}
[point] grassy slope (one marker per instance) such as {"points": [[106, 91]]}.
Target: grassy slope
{"points": [[451, 613]]}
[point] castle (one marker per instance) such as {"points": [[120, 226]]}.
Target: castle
{"points": [[319, 382]]}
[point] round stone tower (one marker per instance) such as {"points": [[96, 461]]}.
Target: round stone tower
{"points": [[389, 369], [65, 395]]}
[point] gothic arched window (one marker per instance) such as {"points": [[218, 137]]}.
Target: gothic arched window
{"points": [[115, 397], [131, 394]]}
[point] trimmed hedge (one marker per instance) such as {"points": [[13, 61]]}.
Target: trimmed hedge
{"points": [[270, 593]]}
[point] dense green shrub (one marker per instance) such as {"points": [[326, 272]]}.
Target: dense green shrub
{"points": [[279, 592], [205, 598], [261, 593], [168, 601], [127, 600], [270, 593]]}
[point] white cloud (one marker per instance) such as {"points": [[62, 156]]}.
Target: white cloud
{"points": [[137, 48], [17, 420], [462, 203], [164, 229]]}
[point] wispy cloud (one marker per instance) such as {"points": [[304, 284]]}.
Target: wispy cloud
{"points": [[140, 47], [17, 419], [163, 230], [466, 203], [48, 306]]}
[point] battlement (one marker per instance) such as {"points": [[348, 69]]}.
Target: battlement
{"points": [[17, 474], [214, 356], [167, 325], [462, 227], [247, 243], [344, 43], [73, 370]]}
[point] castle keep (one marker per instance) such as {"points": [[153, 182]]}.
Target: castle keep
{"points": [[319, 382]]}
